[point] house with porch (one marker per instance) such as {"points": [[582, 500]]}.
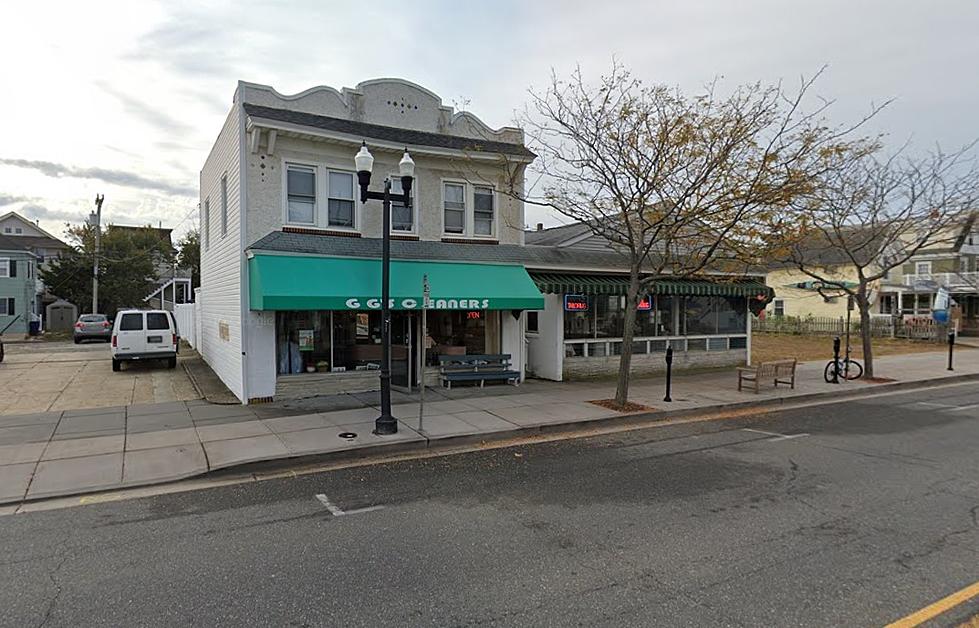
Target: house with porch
{"points": [[290, 257], [950, 265]]}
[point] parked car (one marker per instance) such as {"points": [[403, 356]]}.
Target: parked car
{"points": [[92, 327], [144, 335]]}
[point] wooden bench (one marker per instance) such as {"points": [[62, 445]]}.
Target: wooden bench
{"points": [[476, 368], [776, 371]]}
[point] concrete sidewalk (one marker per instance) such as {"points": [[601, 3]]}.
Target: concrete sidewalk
{"points": [[78, 451]]}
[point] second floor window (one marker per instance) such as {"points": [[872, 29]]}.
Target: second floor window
{"points": [[4, 268], [224, 206], [455, 207], [207, 223], [484, 214], [341, 199], [923, 268], [301, 192], [402, 218]]}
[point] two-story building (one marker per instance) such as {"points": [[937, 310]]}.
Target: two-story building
{"points": [[290, 257], [18, 286], [43, 245]]}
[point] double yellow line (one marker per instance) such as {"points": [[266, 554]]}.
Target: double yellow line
{"points": [[934, 610]]}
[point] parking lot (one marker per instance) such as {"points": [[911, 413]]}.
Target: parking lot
{"points": [[42, 376]]}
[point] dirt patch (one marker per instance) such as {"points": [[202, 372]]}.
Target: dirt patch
{"points": [[767, 347], [629, 406]]}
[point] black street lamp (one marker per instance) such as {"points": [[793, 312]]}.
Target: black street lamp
{"points": [[385, 424]]}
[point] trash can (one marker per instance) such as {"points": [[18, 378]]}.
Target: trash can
{"points": [[34, 328]]}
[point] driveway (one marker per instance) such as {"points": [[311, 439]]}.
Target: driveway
{"points": [[42, 376]]}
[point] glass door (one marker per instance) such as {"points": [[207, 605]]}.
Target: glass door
{"points": [[402, 366]]}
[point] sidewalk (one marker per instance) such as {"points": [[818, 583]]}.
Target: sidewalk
{"points": [[78, 451]]}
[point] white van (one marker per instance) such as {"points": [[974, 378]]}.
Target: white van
{"points": [[144, 335]]}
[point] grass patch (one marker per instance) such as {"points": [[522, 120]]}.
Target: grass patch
{"points": [[767, 347]]}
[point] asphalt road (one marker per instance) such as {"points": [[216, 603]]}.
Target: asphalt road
{"points": [[867, 517]]}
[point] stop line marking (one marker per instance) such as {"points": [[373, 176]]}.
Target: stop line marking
{"points": [[337, 512]]}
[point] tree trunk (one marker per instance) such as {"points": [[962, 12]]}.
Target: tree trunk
{"points": [[628, 331], [865, 332]]}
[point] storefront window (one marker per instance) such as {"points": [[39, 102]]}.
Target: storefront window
{"points": [[357, 340], [455, 333], [605, 318], [714, 315], [302, 342], [732, 315]]}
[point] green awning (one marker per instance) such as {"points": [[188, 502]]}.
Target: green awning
{"points": [[564, 283], [304, 282]]}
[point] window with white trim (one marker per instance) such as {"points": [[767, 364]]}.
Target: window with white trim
{"points": [[224, 206], [206, 220], [7, 306], [778, 307], [454, 207], [922, 268], [300, 194], [484, 210], [4, 267], [18, 230], [402, 218], [340, 200]]}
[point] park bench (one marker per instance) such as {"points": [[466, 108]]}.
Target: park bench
{"points": [[776, 371], [476, 368]]}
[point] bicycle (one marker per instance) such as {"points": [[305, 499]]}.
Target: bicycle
{"points": [[843, 368]]}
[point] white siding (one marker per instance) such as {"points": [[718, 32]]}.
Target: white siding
{"points": [[221, 260]]}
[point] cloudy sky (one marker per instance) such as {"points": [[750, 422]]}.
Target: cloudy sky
{"points": [[125, 99]]}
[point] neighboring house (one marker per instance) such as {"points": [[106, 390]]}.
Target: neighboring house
{"points": [[45, 247], [290, 258], [170, 285], [18, 286], [951, 265]]}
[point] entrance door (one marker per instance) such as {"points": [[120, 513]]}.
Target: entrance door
{"points": [[402, 366]]}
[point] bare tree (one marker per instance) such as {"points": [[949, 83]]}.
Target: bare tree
{"points": [[679, 185], [874, 214]]}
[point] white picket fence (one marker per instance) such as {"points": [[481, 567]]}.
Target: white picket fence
{"points": [[188, 321]]}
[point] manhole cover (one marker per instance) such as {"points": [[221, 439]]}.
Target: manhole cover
{"points": [[348, 435]]}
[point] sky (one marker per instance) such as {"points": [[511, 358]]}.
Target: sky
{"points": [[125, 98]]}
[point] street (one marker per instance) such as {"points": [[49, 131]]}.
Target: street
{"points": [[854, 513]]}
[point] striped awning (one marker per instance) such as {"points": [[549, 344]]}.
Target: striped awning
{"points": [[565, 283]]}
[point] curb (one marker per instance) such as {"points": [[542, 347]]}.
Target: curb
{"points": [[449, 444]]}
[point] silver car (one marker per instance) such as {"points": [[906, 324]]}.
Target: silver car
{"points": [[93, 327]]}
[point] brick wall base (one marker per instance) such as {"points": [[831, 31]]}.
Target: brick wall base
{"points": [[651, 363]]}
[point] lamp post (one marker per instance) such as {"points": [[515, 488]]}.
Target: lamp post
{"points": [[364, 161]]}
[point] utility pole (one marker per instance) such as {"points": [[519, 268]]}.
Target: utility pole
{"points": [[96, 220], [173, 280]]}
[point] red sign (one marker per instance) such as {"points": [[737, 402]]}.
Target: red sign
{"points": [[645, 304], [575, 303], [474, 315]]}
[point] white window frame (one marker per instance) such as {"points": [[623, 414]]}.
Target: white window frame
{"points": [[4, 302], [415, 215], [778, 304], [224, 204], [918, 266], [4, 267], [492, 235], [317, 185], [466, 223], [355, 218], [469, 213], [206, 223]]}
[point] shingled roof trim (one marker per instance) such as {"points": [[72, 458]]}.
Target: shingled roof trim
{"points": [[380, 132]]}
